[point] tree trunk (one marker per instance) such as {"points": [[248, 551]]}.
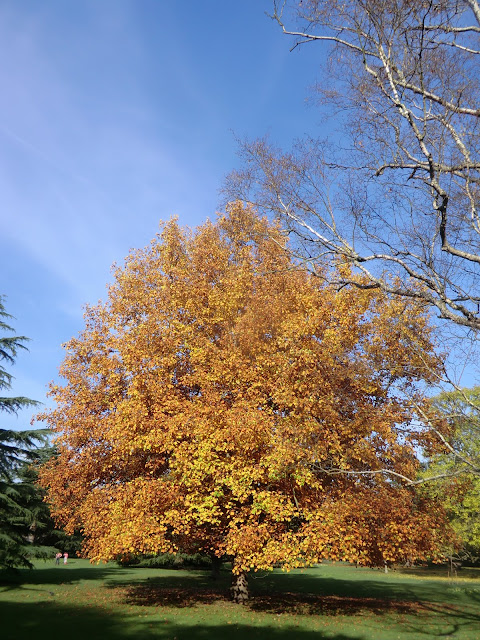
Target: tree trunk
{"points": [[216, 566], [239, 588]]}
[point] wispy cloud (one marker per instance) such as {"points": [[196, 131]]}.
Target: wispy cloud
{"points": [[83, 177], [115, 114]]}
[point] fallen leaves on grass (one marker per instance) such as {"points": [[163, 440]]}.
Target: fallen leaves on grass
{"points": [[291, 603]]}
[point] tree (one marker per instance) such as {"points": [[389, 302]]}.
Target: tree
{"points": [[396, 194], [223, 400], [43, 537], [461, 411], [17, 448]]}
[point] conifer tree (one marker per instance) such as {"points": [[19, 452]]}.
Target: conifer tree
{"points": [[17, 449]]}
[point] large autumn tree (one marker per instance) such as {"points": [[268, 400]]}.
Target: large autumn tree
{"points": [[225, 400]]}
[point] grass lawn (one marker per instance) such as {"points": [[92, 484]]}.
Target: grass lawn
{"points": [[83, 601]]}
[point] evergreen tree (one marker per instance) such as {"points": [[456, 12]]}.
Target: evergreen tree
{"points": [[17, 449], [39, 529]]}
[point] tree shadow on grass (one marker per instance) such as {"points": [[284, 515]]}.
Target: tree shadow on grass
{"points": [[54, 576], [418, 617], [435, 620], [155, 593], [284, 588], [387, 589], [47, 620]]}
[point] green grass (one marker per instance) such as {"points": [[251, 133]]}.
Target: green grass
{"points": [[83, 601]]}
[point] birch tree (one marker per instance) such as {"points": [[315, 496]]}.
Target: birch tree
{"points": [[395, 193]]}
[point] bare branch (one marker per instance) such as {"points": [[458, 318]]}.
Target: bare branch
{"points": [[407, 79]]}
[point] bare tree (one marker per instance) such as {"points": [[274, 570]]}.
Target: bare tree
{"points": [[396, 193]]}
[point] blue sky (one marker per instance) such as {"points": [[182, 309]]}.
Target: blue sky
{"points": [[115, 114]]}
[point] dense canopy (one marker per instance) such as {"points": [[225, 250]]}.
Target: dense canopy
{"points": [[224, 400]]}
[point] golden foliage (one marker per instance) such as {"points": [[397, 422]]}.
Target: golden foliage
{"points": [[217, 399]]}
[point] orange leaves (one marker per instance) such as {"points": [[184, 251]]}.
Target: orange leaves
{"points": [[224, 400]]}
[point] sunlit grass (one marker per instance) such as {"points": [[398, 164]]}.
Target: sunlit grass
{"points": [[331, 601]]}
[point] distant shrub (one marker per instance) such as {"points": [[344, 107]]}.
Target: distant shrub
{"points": [[167, 561]]}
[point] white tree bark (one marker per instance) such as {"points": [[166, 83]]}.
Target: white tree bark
{"points": [[399, 200]]}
